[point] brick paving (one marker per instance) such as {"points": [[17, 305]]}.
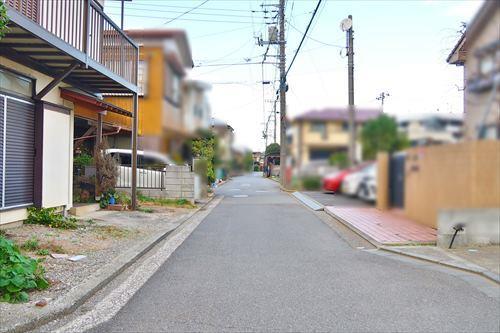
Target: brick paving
{"points": [[384, 227]]}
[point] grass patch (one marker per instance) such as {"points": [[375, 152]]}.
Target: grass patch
{"points": [[145, 209], [184, 203], [43, 252], [31, 244], [52, 247], [112, 231]]}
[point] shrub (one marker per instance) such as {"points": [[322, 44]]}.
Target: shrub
{"points": [[107, 171], [50, 218], [311, 182], [82, 160], [256, 168], [273, 149], [18, 274], [123, 198], [339, 159]]}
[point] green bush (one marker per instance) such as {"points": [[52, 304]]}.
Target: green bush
{"points": [[256, 168], [18, 274], [123, 198], [50, 218], [311, 183], [82, 160], [339, 160], [43, 252]]}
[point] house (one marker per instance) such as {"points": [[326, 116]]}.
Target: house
{"points": [[196, 106], [426, 129], [225, 138], [315, 135], [56, 60], [164, 57], [477, 52]]}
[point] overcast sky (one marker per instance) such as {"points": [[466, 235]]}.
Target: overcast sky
{"points": [[400, 48]]}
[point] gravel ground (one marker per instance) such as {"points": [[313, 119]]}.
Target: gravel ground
{"points": [[101, 237]]}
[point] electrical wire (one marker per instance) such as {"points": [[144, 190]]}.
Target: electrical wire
{"points": [[186, 12], [303, 37], [183, 19], [315, 40], [133, 4]]}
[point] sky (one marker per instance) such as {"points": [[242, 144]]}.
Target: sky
{"points": [[400, 48]]}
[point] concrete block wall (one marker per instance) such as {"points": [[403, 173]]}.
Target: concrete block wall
{"points": [[179, 184]]}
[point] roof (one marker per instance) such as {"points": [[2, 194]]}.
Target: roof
{"points": [[92, 101], [160, 34], [339, 114], [474, 27], [221, 124]]}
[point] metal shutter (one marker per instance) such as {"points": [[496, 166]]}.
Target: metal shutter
{"points": [[19, 153], [2, 112]]}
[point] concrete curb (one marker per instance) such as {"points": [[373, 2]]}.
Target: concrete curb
{"points": [[78, 295], [470, 268], [308, 201]]}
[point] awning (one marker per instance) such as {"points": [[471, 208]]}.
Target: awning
{"points": [[93, 102]]}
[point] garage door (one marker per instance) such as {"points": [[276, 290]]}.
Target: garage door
{"points": [[17, 151]]}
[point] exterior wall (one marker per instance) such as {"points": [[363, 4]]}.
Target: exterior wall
{"points": [[463, 175], [476, 103], [65, 199], [304, 140]]}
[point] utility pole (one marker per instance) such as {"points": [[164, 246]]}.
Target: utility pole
{"points": [[382, 97], [275, 125], [346, 25], [283, 150]]}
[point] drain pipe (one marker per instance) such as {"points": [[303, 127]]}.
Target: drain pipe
{"points": [[458, 227]]}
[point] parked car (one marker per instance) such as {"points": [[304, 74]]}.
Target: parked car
{"points": [[150, 167], [368, 187], [332, 182], [351, 183]]}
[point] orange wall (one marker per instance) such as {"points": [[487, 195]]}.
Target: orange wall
{"points": [[464, 175], [150, 105]]}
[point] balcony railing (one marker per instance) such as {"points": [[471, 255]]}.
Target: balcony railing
{"points": [[83, 25]]}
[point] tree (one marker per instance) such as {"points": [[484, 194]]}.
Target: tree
{"points": [[204, 147], [381, 134], [339, 160], [4, 20], [273, 149]]}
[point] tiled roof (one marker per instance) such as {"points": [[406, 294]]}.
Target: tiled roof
{"points": [[340, 114]]}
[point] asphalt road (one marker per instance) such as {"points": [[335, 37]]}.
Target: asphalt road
{"points": [[262, 262]]}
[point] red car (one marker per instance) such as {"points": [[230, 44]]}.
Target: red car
{"points": [[333, 181]]}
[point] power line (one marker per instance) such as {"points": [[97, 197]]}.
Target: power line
{"points": [[303, 37], [180, 12], [186, 12], [315, 40], [182, 19], [133, 4]]}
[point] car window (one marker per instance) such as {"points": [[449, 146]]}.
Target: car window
{"points": [[125, 159]]}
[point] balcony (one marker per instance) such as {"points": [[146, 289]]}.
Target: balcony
{"points": [[51, 36]]}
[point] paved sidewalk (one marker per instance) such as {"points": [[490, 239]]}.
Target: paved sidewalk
{"points": [[384, 228]]}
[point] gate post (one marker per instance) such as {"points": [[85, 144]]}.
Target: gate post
{"points": [[383, 181]]}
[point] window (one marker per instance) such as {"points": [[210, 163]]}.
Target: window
{"points": [[16, 84], [173, 85], [345, 126], [176, 86], [319, 127], [142, 77]]}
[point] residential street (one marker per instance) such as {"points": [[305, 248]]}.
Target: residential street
{"points": [[261, 261]]}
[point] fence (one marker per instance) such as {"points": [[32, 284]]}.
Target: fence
{"points": [[147, 177]]}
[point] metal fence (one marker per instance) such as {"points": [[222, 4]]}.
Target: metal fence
{"points": [[147, 177]]}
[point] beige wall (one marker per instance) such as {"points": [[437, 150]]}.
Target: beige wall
{"points": [[51, 197], [464, 175], [304, 140], [475, 103]]}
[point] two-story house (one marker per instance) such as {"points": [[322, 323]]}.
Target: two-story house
{"points": [[195, 106], [478, 51], [427, 129], [164, 57], [315, 135], [56, 57]]}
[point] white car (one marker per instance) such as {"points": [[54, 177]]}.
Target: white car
{"points": [[351, 183], [368, 189], [150, 167]]}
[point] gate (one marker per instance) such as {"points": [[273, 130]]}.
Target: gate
{"points": [[397, 180]]}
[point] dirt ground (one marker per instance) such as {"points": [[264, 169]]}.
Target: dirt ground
{"points": [[100, 237]]}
